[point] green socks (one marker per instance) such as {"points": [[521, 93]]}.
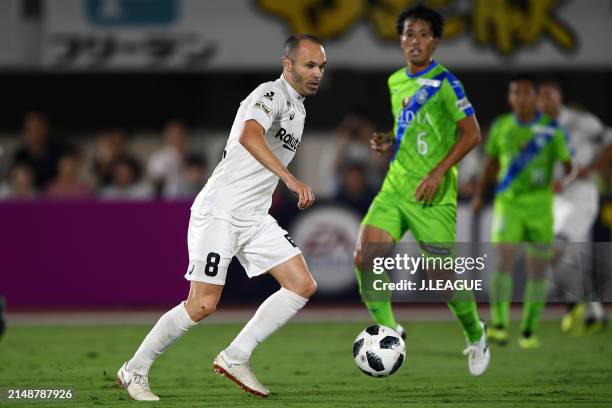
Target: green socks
{"points": [[501, 296], [381, 310], [533, 303], [467, 313], [464, 308]]}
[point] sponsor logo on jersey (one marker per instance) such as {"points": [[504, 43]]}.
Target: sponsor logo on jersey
{"points": [[289, 141], [429, 82], [406, 117], [291, 115], [463, 104], [269, 96], [264, 108], [545, 130]]}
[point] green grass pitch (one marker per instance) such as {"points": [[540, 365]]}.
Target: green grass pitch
{"points": [[310, 364]]}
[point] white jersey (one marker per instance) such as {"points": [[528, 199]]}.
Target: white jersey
{"points": [[577, 206], [586, 135], [240, 188]]}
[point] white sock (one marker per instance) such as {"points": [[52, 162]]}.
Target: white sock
{"points": [[596, 311], [169, 328], [273, 313]]}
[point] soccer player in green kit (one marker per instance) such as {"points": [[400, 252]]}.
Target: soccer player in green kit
{"points": [[522, 149], [435, 127]]}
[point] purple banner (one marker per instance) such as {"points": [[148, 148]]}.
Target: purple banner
{"points": [[91, 254]]}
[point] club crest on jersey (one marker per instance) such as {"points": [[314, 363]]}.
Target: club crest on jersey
{"points": [[405, 101], [269, 96], [289, 141], [421, 96]]}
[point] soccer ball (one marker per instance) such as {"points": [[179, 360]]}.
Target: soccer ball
{"points": [[379, 351]]}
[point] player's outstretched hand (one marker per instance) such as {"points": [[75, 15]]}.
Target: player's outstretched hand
{"points": [[305, 195], [380, 142], [426, 191]]}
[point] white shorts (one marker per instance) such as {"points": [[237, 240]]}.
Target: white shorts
{"points": [[575, 211], [212, 242]]}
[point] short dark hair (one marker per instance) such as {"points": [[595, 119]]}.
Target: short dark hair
{"points": [[294, 41], [435, 19], [195, 159], [71, 150], [523, 76], [551, 81]]}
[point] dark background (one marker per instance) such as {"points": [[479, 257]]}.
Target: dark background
{"points": [[144, 100]]}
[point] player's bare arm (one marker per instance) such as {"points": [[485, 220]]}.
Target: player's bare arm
{"points": [[488, 175], [252, 139], [598, 164], [469, 137]]}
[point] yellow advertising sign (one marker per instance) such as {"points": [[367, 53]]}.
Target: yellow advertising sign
{"points": [[505, 25]]}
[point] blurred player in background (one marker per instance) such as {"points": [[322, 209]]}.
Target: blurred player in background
{"points": [[522, 149], [577, 206], [434, 128], [230, 218]]}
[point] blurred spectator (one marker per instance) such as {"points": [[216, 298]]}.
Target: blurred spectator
{"points": [[353, 144], [39, 151], [354, 190], [68, 183], [193, 178], [355, 133], [3, 169], [165, 166], [111, 147], [20, 184], [126, 183]]}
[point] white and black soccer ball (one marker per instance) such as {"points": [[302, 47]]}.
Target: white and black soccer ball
{"points": [[379, 351]]}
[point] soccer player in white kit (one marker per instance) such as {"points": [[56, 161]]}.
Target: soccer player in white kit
{"points": [[230, 218], [577, 205]]}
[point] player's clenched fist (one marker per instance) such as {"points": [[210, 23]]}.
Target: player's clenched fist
{"points": [[305, 195], [380, 142]]}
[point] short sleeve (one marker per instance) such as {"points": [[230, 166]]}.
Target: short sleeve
{"points": [[560, 141], [266, 104], [455, 100], [491, 146]]}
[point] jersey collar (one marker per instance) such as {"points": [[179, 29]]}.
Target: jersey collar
{"points": [[535, 120], [294, 94], [431, 66]]}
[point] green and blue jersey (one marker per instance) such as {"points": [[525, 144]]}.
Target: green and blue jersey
{"points": [[426, 107]]}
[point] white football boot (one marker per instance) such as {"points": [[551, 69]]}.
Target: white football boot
{"points": [[241, 374], [136, 384], [478, 353]]}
